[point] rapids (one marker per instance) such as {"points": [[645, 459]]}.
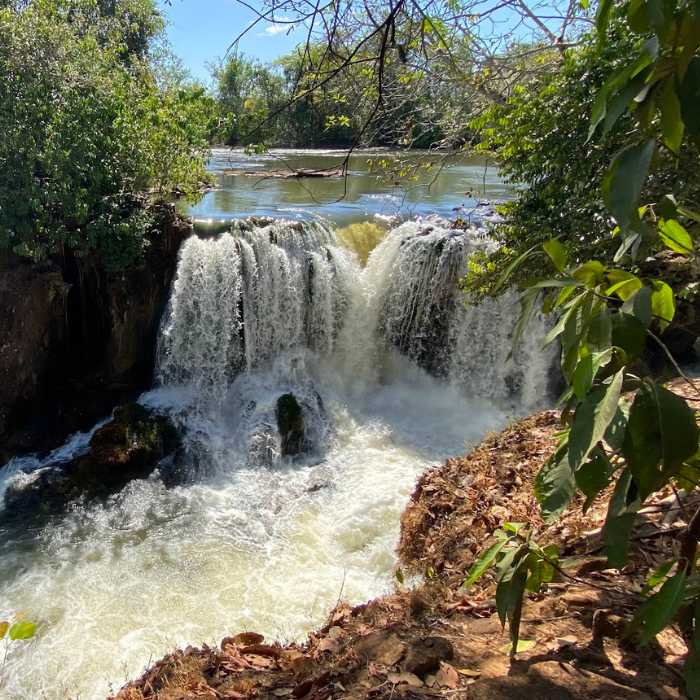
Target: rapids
{"points": [[393, 375]]}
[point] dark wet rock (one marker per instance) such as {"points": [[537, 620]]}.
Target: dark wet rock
{"points": [[290, 422], [77, 340], [129, 447], [424, 655]]}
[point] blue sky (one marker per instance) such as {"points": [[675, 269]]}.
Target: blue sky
{"points": [[200, 31]]}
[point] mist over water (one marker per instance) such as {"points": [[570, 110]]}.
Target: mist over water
{"points": [[249, 539]]}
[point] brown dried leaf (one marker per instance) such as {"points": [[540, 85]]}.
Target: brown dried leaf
{"points": [[405, 677], [447, 676]]}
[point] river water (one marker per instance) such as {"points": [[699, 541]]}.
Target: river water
{"points": [[452, 186], [252, 540]]}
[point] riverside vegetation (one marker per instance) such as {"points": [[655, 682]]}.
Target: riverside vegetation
{"points": [[616, 228]]}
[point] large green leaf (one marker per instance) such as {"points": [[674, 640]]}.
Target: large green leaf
{"points": [[663, 304], [623, 182], [671, 122], [569, 311], [593, 415], [639, 306], [603, 18], [622, 513], [691, 670], [555, 484], [600, 331], [593, 476], [629, 334], [622, 283], [659, 610], [615, 434], [507, 569], [675, 237], [661, 433], [590, 273], [487, 558], [689, 95], [557, 253], [587, 369]]}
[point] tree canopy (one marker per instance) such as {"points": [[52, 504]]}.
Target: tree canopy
{"points": [[88, 128]]}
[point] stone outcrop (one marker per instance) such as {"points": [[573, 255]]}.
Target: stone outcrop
{"points": [[76, 340], [290, 422], [130, 446]]}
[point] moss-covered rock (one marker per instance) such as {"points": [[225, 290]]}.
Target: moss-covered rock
{"points": [[130, 446], [290, 423]]}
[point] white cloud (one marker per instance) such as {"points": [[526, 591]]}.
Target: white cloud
{"points": [[274, 29]]}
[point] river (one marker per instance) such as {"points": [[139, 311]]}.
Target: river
{"points": [[253, 540]]}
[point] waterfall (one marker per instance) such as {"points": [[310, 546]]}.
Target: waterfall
{"points": [[245, 297], [269, 288], [422, 313], [383, 371]]}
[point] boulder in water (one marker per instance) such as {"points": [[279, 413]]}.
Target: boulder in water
{"points": [[290, 422], [129, 447]]}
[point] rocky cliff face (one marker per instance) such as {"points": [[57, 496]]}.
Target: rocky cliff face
{"points": [[76, 340]]}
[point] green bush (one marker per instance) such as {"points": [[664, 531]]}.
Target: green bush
{"points": [[87, 131], [540, 136]]}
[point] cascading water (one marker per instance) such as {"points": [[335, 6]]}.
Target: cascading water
{"points": [[390, 372]]}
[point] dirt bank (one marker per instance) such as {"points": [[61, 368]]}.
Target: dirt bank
{"points": [[436, 640]]}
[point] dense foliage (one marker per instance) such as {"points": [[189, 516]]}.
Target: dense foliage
{"points": [[307, 98], [625, 435], [88, 128], [540, 137]]}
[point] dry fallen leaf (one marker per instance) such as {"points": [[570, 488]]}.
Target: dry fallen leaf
{"points": [[447, 676], [405, 677], [243, 639], [469, 672]]}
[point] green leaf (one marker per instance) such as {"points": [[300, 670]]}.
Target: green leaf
{"points": [[689, 95], [593, 476], [527, 309], [586, 370], [639, 306], [510, 591], [399, 576], [661, 431], [623, 182], [521, 646], [663, 304], [675, 237], [22, 630], [555, 484], [629, 334], [557, 253], [600, 331], [622, 283], [590, 273], [657, 576], [659, 610], [671, 123], [508, 272], [691, 670], [593, 415], [487, 558], [615, 434], [602, 19], [622, 513], [558, 329], [630, 243]]}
